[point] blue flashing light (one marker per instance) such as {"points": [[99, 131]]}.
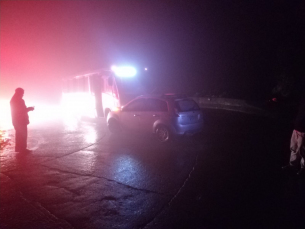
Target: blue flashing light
{"points": [[124, 71]]}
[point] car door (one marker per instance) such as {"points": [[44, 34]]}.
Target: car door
{"points": [[131, 112], [156, 109]]}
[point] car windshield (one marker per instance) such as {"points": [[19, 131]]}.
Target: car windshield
{"points": [[186, 105]]}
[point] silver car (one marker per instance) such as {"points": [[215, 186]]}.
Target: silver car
{"points": [[164, 115]]}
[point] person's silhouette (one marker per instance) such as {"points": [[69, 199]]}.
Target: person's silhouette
{"points": [[20, 119], [297, 143]]}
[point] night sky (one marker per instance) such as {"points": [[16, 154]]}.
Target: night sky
{"points": [[237, 47]]}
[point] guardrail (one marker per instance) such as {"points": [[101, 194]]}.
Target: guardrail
{"points": [[231, 104]]}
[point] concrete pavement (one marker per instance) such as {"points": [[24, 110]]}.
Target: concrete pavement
{"points": [[80, 176]]}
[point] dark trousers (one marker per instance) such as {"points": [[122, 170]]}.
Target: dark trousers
{"points": [[21, 137]]}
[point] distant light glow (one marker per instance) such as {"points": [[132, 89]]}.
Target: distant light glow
{"points": [[116, 109], [124, 71], [78, 104], [145, 69], [42, 113]]}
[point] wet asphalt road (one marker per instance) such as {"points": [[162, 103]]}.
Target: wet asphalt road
{"points": [[81, 176]]}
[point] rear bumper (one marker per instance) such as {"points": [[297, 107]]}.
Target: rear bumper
{"points": [[188, 129]]}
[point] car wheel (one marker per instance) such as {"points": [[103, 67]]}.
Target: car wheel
{"points": [[163, 134], [114, 126]]}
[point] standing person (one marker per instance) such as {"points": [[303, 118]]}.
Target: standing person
{"points": [[297, 143], [20, 119]]}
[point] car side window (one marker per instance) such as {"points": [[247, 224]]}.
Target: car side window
{"points": [[186, 105], [136, 105], [156, 105]]}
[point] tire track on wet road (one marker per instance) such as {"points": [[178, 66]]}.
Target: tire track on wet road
{"points": [[168, 204]]}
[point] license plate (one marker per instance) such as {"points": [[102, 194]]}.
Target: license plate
{"points": [[192, 118]]}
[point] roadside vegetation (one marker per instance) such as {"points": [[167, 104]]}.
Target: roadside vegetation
{"points": [[4, 141]]}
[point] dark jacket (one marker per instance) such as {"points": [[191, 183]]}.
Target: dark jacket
{"points": [[299, 123], [19, 111]]}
